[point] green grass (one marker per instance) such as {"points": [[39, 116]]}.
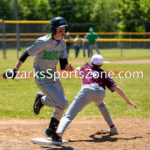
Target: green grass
{"points": [[115, 54], [17, 96], [108, 54]]}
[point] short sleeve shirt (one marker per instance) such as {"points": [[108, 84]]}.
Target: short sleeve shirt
{"points": [[47, 52], [91, 38], [93, 75]]}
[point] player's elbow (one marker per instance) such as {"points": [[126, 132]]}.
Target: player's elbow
{"points": [[116, 88]]}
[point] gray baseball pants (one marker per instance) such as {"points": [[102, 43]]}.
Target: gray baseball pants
{"points": [[54, 96], [91, 47], [87, 94]]}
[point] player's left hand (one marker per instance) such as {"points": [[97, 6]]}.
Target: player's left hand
{"points": [[134, 105], [68, 67]]}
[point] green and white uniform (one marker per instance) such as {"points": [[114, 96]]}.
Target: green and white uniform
{"points": [[46, 53]]}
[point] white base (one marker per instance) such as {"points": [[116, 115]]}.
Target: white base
{"points": [[47, 141]]}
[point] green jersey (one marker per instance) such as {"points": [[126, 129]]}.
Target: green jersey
{"points": [[91, 37]]}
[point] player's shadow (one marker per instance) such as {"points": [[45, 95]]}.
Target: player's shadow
{"points": [[105, 138], [58, 147]]}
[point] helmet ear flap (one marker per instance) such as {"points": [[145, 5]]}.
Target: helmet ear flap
{"points": [[53, 30], [66, 29]]}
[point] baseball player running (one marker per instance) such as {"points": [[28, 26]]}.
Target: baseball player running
{"points": [[47, 50], [94, 82]]}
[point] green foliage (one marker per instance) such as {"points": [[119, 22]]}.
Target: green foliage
{"points": [[131, 15], [76, 12], [145, 7], [103, 15], [106, 14], [6, 9], [34, 9]]}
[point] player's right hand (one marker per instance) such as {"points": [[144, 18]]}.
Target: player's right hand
{"points": [[10, 73]]}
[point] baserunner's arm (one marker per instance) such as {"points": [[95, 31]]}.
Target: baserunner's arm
{"points": [[13, 73], [18, 65], [21, 60]]}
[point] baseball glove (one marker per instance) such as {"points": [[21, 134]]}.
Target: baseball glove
{"points": [[86, 63], [68, 67]]}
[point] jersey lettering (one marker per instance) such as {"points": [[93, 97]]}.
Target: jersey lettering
{"points": [[52, 55]]}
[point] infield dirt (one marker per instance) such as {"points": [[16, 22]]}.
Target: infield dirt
{"points": [[83, 133]]}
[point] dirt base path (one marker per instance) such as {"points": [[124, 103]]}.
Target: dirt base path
{"points": [[84, 133], [146, 61]]}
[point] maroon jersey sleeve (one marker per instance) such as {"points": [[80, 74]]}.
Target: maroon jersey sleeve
{"points": [[110, 83]]}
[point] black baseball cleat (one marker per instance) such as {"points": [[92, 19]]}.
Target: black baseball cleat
{"points": [[51, 129], [56, 138], [49, 132], [38, 103], [53, 135]]}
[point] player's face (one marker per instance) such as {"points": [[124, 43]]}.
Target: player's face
{"points": [[60, 32]]}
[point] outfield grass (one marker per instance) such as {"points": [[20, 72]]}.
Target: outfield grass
{"points": [[17, 96], [108, 54]]}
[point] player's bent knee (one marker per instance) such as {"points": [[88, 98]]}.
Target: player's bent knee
{"points": [[64, 105]]}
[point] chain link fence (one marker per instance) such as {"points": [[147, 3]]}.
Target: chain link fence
{"points": [[29, 31]]}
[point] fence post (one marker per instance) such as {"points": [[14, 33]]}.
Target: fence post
{"points": [[120, 45], [4, 40], [121, 50], [130, 43], [17, 27], [18, 39]]}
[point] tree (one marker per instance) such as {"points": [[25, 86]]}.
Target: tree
{"points": [[131, 16], [103, 15], [6, 9], [145, 7], [106, 14], [76, 12]]}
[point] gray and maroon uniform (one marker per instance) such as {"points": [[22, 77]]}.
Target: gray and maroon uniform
{"points": [[46, 53], [93, 90]]}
